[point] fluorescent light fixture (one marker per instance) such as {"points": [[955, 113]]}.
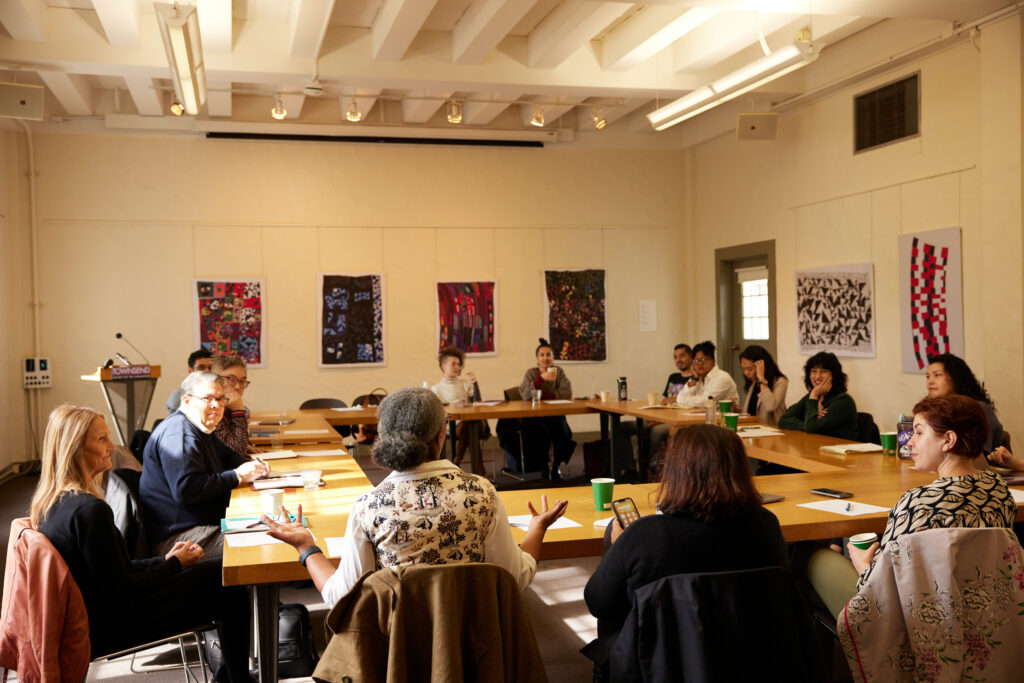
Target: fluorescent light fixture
{"points": [[597, 113], [454, 111], [278, 111], [537, 117], [743, 80], [179, 28], [352, 113]]}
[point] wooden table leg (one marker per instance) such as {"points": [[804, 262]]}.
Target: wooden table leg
{"points": [[475, 454], [452, 438]]}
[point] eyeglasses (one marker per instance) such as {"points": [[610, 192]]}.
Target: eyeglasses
{"points": [[700, 361], [232, 380], [211, 399]]}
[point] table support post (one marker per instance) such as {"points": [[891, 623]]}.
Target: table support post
{"points": [[475, 454], [616, 422], [643, 455], [266, 615], [452, 438]]}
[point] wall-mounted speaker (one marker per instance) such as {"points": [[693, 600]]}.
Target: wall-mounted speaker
{"points": [[20, 101], [756, 125]]}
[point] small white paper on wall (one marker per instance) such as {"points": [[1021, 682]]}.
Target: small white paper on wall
{"points": [[649, 315]]}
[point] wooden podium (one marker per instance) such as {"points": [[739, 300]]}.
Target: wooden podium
{"points": [[128, 391]]}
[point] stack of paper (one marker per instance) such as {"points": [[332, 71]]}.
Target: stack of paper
{"points": [[757, 431], [844, 448]]}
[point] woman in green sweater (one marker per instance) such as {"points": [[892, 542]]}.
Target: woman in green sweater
{"points": [[826, 408]]}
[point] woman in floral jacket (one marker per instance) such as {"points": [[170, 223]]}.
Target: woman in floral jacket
{"points": [[427, 511]]}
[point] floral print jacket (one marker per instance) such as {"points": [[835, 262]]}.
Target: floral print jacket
{"points": [[940, 605]]}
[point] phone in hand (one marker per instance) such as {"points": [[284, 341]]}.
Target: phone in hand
{"points": [[625, 511], [832, 493]]}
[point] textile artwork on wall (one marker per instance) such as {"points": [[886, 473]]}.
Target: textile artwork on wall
{"points": [[466, 317], [931, 297], [835, 310], [231, 317], [574, 314], [351, 314]]}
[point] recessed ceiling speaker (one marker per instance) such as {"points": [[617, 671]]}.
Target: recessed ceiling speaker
{"points": [[20, 101], [756, 125]]}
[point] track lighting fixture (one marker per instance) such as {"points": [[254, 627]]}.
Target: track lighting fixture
{"points": [[352, 113], [278, 111], [176, 108], [537, 118], [597, 113], [454, 111]]}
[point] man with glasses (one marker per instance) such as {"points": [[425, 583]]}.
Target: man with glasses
{"points": [[188, 473], [198, 361], [710, 380], [234, 427]]}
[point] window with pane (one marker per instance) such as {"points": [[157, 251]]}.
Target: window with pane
{"points": [[755, 307]]}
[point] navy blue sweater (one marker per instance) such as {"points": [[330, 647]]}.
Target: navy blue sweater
{"points": [[187, 477]]}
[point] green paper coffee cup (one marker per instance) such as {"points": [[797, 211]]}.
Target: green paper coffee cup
{"points": [[864, 541], [732, 420], [724, 407], [889, 443], [603, 493]]}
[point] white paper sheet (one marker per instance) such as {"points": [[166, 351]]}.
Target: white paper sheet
{"points": [[1018, 495], [604, 522], [306, 431], [334, 544], [487, 403], [558, 400], [276, 455], [751, 432], [279, 483], [251, 540], [839, 507], [327, 451], [523, 522], [342, 410]]}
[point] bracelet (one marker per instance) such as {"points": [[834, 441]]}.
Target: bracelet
{"points": [[305, 554]]}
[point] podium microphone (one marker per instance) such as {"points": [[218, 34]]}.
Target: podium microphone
{"points": [[121, 357], [121, 336]]}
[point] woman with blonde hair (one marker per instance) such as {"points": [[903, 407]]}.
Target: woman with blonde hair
{"points": [[129, 602]]}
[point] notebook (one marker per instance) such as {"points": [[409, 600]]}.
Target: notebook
{"points": [[845, 448]]}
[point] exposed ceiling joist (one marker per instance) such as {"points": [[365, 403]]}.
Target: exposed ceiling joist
{"points": [[483, 26], [648, 33], [148, 100], [216, 25], [420, 110], [307, 24], [24, 19], [120, 21], [480, 113], [396, 25], [70, 90], [218, 98], [570, 27]]}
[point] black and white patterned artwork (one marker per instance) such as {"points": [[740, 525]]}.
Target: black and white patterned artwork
{"points": [[835, 310]]}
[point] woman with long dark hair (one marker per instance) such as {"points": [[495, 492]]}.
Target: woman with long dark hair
{"points": [[541, 433], [765, 385], [826, 408], [948, 374]]}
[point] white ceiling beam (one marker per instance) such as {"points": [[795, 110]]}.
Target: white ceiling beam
{"points": [[483, 25], [218, 97], [307, 23], [215, 25], [148, 100], [420, 110], [551, 111], [70, 91], [614, 112], [648, 33], [365, 99], [397, 23], [722, 35], [569, 28], [24, 19], [943, 10], [293, 104], [120, 21], [480, 113]]}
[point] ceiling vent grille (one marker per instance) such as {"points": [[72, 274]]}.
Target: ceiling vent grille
{"points": [[887, 114]]}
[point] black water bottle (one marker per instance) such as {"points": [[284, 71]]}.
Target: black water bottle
{"points": [[623, 392]]}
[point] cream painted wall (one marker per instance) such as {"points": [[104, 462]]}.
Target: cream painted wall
{"points": [[127, 222], [826, 206]]}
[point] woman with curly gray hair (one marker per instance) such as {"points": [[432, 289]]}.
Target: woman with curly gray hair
{"points": [[427, 511]]}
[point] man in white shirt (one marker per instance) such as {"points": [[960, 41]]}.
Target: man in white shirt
{"points": [[710, 381]]}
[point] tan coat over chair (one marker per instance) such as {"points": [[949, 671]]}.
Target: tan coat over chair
{"points": [[459, 622], [940, 605], [44, 629]]}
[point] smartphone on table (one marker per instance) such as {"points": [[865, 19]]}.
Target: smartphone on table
{"points": [[625, 512], [832, 493]]}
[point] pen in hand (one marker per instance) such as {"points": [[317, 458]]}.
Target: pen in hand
{"points": [[848, 507]]}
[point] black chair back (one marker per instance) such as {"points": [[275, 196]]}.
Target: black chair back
{"points": [[314, 403], [124, 500], [867, 430]]}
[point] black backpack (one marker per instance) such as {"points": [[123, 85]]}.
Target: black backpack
{"points": [[296, 653]]}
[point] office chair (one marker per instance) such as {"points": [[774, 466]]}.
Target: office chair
{"points": [[314, 403]]}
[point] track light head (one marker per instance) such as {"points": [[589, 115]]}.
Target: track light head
{"points": [[597, 113], [352, 113], [278, 111], [176, 108], [454, 111], [537, 117]]}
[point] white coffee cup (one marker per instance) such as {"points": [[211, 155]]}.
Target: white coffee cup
{"points": [[272, 500]]}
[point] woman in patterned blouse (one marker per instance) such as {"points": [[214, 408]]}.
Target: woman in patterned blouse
{"points": [[427, 511], [949, 433]]}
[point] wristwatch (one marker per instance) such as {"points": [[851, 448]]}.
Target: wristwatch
{"points": [[305, 554]]}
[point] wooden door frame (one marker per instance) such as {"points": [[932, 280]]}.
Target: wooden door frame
{"points": [[724, 258]]}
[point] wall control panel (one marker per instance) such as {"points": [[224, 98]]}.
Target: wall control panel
{"points": [[36, 373]]}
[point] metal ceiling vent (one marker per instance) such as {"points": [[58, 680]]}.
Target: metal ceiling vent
{"points": [[887, 114]]}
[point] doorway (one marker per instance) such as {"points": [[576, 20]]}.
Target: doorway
{"points": [[745, 286]]}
